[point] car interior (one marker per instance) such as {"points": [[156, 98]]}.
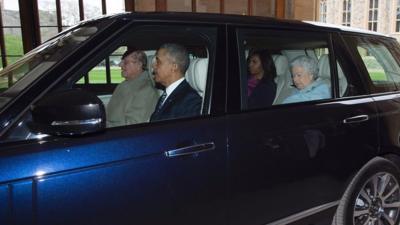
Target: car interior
{"points": [[149, 41], [284, 51], [94, 77]]}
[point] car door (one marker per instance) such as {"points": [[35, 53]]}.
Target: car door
{"points": [[379, 62], [291, 162], [167, 172]]}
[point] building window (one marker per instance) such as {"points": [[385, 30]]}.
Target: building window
{"points": [[346, 20], [47, 19], [57, 15], [322, 11], [373, 15], [11, 37], [398, 16]]}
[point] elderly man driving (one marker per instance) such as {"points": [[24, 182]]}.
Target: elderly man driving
{"points": [[305, 78]]}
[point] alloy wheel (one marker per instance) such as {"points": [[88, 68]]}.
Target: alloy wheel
{"points": [[378, 202]]}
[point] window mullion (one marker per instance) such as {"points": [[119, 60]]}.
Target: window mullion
{"points": [[59, 15], [2, 42], [81, 10]]}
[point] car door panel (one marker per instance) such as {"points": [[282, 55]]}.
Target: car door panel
{"points": [[4, 204], [122, 175], [294, 160], [290, 164]]}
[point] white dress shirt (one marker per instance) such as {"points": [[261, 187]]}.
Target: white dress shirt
{"points": [[172, 87]]}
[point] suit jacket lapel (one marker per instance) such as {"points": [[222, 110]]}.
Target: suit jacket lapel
{"points": [[175, 94]]}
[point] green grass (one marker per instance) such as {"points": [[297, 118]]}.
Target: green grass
{"points": [[13, 47], [378, 75], [98, 76]]}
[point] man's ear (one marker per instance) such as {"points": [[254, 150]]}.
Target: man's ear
{"points": [[174, 67]]}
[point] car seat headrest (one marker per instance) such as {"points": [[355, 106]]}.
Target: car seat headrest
{"points": [[196, 75]]}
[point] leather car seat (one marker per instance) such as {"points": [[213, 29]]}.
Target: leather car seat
{"points": [[283, 79], [325, 74], [196, 75]]}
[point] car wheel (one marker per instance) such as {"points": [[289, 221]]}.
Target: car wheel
{"points": [[373, 196]]}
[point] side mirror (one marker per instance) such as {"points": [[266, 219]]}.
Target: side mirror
{"points": [[70, 112]]}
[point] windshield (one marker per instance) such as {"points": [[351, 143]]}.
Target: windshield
{"points": [[16, 77]]}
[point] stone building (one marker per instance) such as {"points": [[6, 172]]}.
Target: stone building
{"points": [[377, 15]]}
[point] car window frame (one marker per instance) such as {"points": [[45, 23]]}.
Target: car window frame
{"points": [[15, 110], [348, 64], [241, 33], [139, 25], [101, 53], [359, 63]]}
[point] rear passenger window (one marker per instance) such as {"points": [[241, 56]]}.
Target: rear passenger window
{"points": [[283, 68], [382, 68]]}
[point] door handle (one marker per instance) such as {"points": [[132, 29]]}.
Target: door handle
{"points": [[189, 150], [356, 119]]}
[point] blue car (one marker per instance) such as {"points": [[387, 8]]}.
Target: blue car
{"points": [[296, 123]]}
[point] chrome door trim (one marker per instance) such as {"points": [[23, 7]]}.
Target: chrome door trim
{"points": [[304, 214], [94, 121]]}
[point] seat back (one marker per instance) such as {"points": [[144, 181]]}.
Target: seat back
{"points": [[324, 69], [325, 74], [282, 68], [283, 79], [196, 75], [150, 62], [342, 81]]}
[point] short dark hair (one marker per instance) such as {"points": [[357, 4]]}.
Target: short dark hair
{"points": [[179, 55], [267, 62]]}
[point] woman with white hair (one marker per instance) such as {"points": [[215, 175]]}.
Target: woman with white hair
{"points": [[305, 78]]}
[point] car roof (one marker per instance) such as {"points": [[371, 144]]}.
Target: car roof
{"points": [[239, 20], [345, 28]]}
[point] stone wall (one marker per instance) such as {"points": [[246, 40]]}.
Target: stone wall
{"points": [[360, 13]]}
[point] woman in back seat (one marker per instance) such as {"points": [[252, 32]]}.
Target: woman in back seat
{"points": [[305, 78], [261, 87]]}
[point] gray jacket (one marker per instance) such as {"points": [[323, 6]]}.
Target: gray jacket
{"points": [[132, 102]]}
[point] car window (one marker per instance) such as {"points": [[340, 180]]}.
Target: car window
{"points": [[129, 103], [282, 68], [135, 101], [382, 68], [107, 71], [16, 77]]}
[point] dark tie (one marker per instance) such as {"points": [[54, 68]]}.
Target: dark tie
{"points": [[161, 101]]}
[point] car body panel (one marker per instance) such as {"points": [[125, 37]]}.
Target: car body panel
{"points": [[110, 171], [266, 165]]}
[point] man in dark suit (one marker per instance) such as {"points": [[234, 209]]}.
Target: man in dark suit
{"points": [[179, 98]]}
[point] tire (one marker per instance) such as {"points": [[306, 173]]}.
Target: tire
{"points": [[372, 197]]}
